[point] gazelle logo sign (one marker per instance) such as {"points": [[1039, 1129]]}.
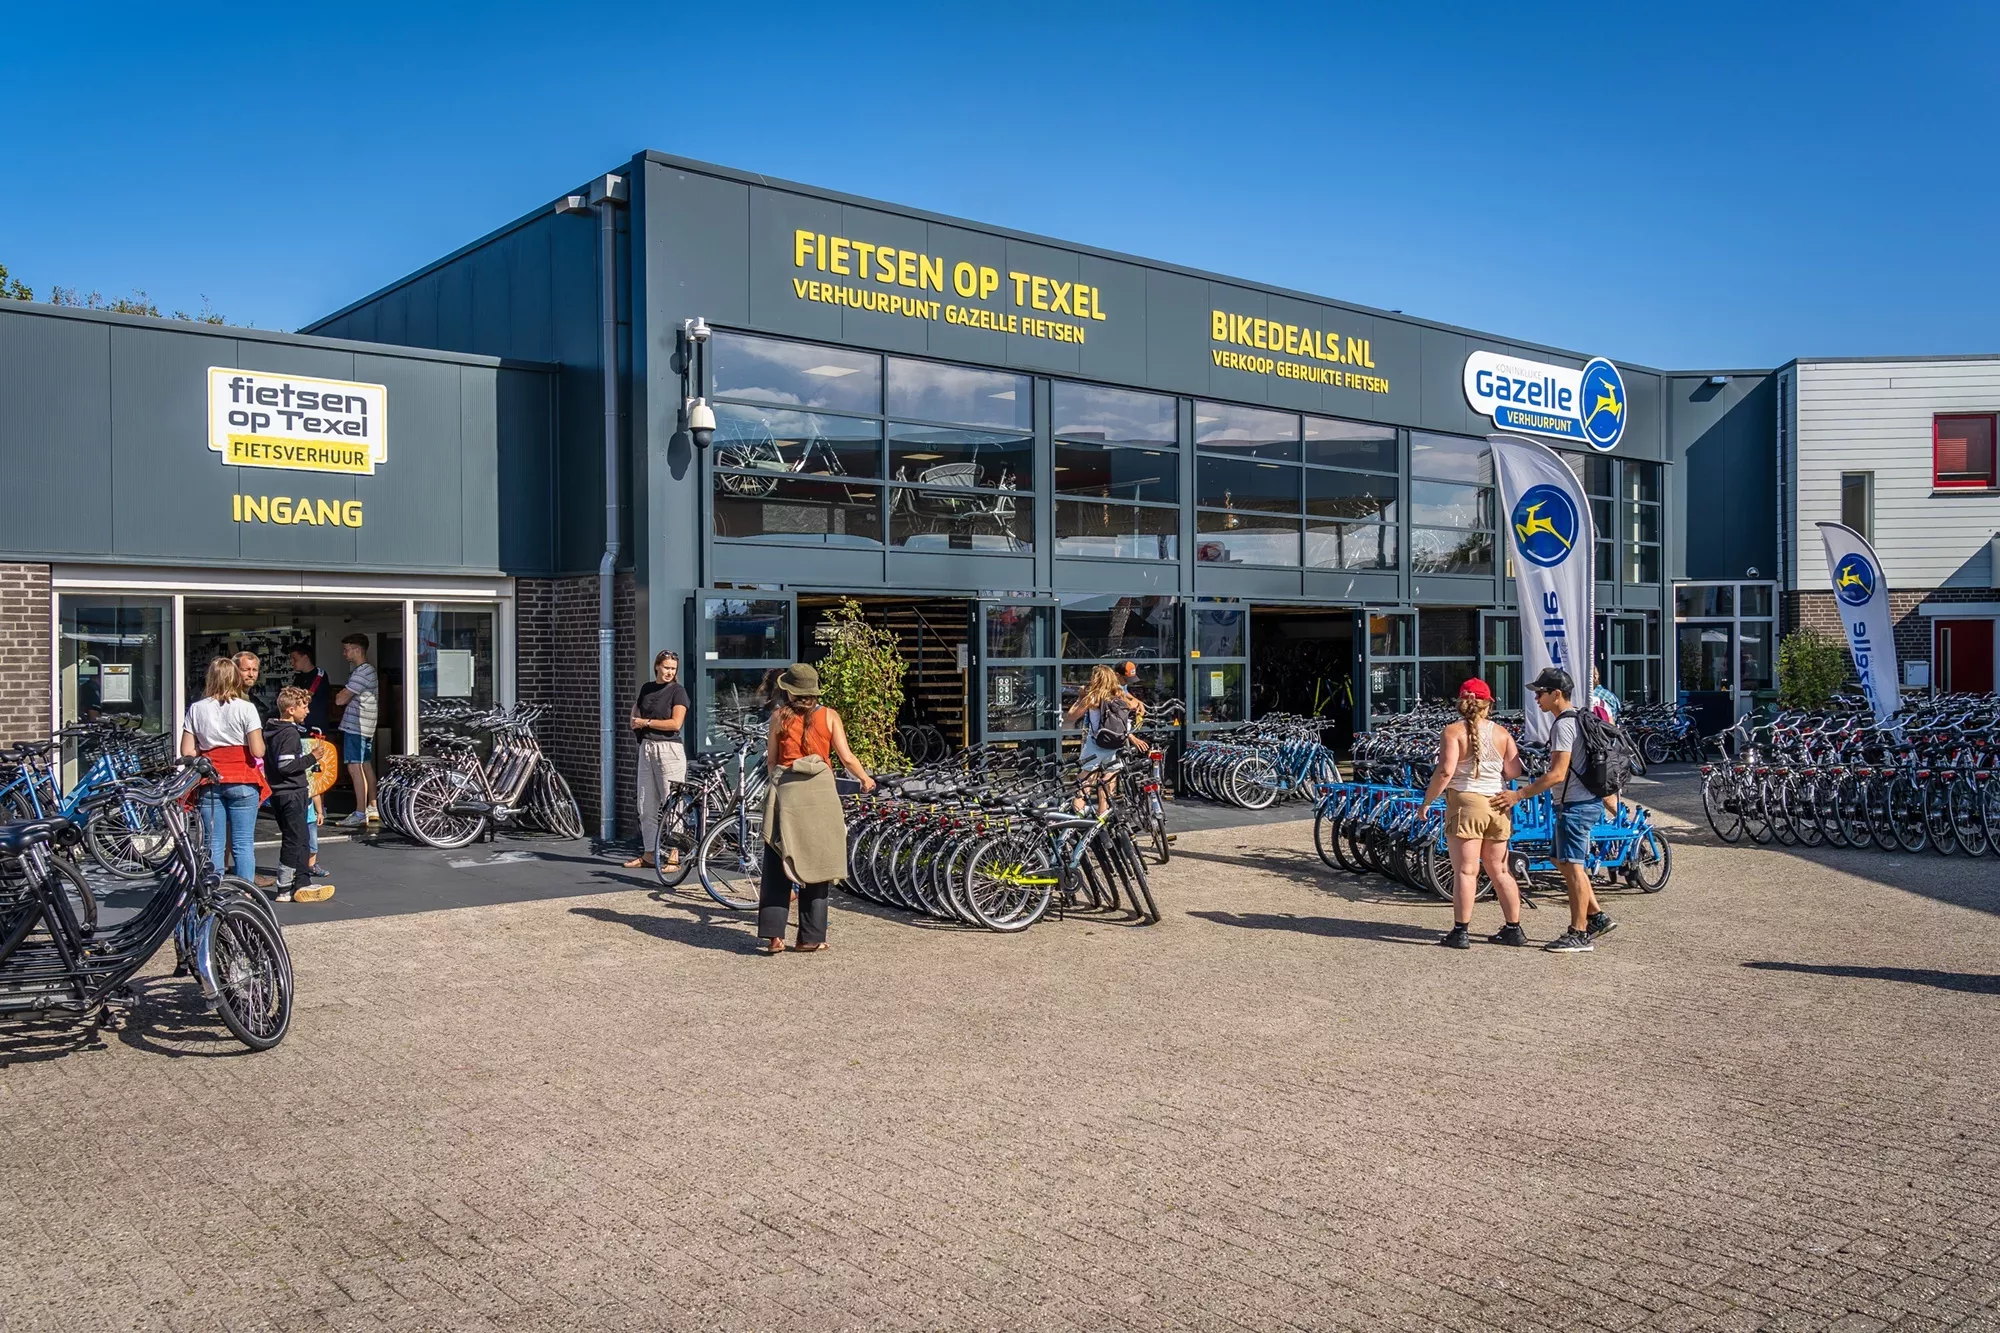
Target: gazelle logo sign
{"points": [[297, 422], [1553, 401]]}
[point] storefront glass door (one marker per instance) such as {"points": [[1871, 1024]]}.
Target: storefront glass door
{"points": [[740, 639], [1219, 665], [1018, 696]]}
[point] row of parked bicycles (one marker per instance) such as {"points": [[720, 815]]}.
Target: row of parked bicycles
{"points": [[480, 771], [1278, 757], [1378, 823], [1930, 781], [125, 825]]}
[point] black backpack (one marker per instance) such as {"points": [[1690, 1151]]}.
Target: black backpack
{"points": [[1603, 759], [1114, 724]]}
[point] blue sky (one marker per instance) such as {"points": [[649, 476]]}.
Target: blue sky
{"points": [[1692, 186]]}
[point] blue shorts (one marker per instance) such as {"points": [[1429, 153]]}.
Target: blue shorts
{"points": [[356, 748], [1094, 755], [1573, 825]]}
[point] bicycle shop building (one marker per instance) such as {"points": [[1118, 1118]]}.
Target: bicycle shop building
{"points": [[1024, 457]]}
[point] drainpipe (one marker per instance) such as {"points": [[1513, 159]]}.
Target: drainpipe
{"points": [[606, 194]]}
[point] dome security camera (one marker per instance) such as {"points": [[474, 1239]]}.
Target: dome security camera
{"points": [[701, 422], [697, 329]]}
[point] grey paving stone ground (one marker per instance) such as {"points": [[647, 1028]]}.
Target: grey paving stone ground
{"points": [[1766, 1102]]}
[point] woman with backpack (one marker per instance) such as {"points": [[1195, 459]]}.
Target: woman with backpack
{"points": [[1109, 715]]}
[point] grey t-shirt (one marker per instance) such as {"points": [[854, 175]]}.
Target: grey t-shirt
{"points": [[1564, 738]]}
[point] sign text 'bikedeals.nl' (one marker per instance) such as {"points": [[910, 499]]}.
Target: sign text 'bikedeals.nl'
{"points": [[297, 422]]}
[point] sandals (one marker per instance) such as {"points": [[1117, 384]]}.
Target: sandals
{"points": [[636, 863], [770, 948], [809, 948]]}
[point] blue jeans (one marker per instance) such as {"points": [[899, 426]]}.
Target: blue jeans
{"points": [[1573, 825], [229, 818]]}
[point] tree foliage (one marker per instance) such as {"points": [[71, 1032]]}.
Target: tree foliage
{"points": [[861, 677], [1811, 667], [138, 303]]}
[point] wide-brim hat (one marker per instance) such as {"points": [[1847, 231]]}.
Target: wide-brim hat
{"points": [[799, 679]]}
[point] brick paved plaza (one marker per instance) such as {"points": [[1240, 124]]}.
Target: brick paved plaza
{"points": [[1766, 1102]]}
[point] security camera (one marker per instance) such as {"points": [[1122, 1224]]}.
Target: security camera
{"points": [[701, 422], [696, 329]]}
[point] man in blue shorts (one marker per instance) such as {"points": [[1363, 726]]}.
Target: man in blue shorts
{"points": [[1577, 812], [361, 696]]}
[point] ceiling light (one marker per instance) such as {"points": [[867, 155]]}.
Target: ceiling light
{"points": [[830, 372], [923, 458]]}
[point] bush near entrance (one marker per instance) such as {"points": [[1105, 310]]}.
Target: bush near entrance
{"points": [[861, 678], [1811, 667]]}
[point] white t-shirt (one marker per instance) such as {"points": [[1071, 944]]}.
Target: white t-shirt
{"points": [[215, 723]]}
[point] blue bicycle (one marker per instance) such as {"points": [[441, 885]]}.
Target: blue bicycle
{"points": [[128, 838]]}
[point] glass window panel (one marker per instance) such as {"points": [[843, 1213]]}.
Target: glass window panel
{"points": [[1631, 681], [1652, 633], [1642, 481], [1391, 634], [794, 374], [1705, 657], [1219, 691], [1642, 565], [1642, 523], [1628, 636], [1247, 432], [1246, 539], [1021, 698], [748, 628], [1607, 566], [1856, 502], [1118, 473], [1017, 630], [735, 696], [455, 654], [1350, 495], [1597, 475], [1113, 629], [1753, 655], [1218, 632], [1503, 636], [1756, 599], [1243, 483], [1600, 519], [932, 392], [961, 520], [1964, 451], [1117, 531], [1509, 689], [1451, 458], [1447, 632], [1450, 551], [1695, 600], [1351, 545], [1351, 444], [1443, 504], [1392, 688], [113, 659], [797, 443], [1441, 679], [1113, 416], [944, 457], [754, 508]]}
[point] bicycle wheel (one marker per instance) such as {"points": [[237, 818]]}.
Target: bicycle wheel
{"points": [[1718, 801], [1652, 862], [1135, 864], [1253, 783], [559, 813], [1851, 808], [1156, 824], [1008, 882], [1803, 803], [1326, 840], [731, 860], [252, 975], [1937, 817], [1751, 795], [1654, 747], [678, 838], [129, 841], [1907, 816], [1968, 824], [432, 822], [1830, 822]]}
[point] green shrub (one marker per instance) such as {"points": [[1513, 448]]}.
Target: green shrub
{"points": [[1811, 666], [861, 678]]}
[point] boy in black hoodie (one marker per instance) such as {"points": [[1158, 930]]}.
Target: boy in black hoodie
{"points": [[288, 766]]}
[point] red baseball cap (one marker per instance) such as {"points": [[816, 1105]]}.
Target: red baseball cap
{"points": [[1477, 688]]}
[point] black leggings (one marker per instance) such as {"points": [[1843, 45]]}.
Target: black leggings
{"points": [[774, 903]]}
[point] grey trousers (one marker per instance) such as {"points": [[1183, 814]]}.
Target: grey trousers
{"points": [[662, 767]]}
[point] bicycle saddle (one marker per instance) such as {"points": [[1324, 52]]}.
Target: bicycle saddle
{"points": [[34, 749], [18, 838]]}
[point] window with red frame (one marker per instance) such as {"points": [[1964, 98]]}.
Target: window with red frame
{"points": [[1962, 452]]}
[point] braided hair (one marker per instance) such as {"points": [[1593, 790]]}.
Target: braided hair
{"points": [[1474, 710]]}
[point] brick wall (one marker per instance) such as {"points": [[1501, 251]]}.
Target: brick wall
{"points": [[1817, 610], [24, 652], [555, 635]]}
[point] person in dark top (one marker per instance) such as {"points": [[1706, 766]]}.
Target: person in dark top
{"points": [[660, 720], [288, 767], [312, 680]]}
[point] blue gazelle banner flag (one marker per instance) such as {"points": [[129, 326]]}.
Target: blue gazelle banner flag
{"points": [[1549, 528]]}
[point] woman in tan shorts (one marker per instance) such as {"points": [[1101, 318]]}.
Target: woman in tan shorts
{"points": [[1476, 760]]}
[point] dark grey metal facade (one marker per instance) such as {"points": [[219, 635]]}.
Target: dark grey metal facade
{"points": [[104, 455]]}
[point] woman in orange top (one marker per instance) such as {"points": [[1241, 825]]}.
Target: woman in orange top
{"points": [[805, 831]]}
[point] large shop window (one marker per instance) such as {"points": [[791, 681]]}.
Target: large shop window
{"points": [[1112, 630], [1725, 636], [455, 655], [1625, 510], [114, 659], [1273, 488], [1962, 452], [1221, 666], [1121, 452], [1451, 505], [958, 472]]}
